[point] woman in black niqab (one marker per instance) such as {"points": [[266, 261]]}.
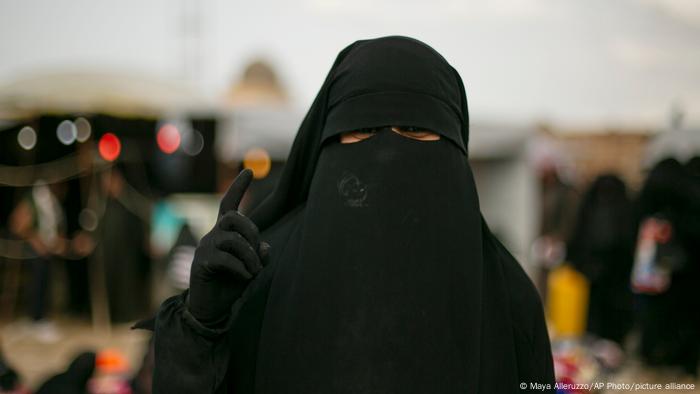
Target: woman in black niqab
{"points": [[383, 278], [602, 248], [669, 322]]}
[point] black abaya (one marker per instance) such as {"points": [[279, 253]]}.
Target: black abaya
{"points": [[383, 278], [602, 248], [669, 322], [126, 268]]}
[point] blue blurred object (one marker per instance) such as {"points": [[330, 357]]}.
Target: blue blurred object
{"points": [[165, 228]]}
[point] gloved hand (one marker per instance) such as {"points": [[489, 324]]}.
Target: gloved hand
{"points": [[227, 258]]}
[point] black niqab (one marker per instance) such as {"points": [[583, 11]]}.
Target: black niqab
{"points": [[384, 277]]}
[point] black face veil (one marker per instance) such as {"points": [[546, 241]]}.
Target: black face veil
{"points": [[388, 281]]}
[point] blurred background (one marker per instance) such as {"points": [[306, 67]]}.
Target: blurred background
{"points": [[121, 122]]}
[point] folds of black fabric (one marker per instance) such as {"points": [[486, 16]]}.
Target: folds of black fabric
{"points": [[383, 278]]}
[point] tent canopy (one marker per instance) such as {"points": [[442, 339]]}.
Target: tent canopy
{"points": [[98, 91]]}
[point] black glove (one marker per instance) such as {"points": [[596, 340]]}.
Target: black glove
{"points": [[226, 259]]}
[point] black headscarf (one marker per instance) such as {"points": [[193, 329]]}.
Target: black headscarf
{"points": [[384, 277], [380, 82]]}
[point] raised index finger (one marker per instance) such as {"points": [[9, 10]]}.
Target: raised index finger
{"points": [[235, 192]]}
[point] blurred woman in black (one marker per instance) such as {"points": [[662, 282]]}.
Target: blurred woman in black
{"points": [[669, 321], [602, 248]]}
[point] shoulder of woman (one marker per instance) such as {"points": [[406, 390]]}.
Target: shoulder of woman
{"points": [[523, 298]]}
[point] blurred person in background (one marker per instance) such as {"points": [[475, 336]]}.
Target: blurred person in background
{"points": [[39, 220], [74, 380], [669, 214], [81, 243], [10, 382], [556, 220], [122, 246], [602, 248], [693, 168], [380, 275]]}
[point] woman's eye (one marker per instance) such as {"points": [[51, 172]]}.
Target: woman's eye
{"points": [[416, 133], [351, 137]]}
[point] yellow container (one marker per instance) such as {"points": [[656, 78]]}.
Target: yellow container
{"points": [[567, 301]]}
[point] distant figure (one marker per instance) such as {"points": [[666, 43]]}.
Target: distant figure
{"points": [[693, 167], [602, 248], [74, 380], [669, 320], [556, 216], [122, 246], [39, 220], [10, 382]]}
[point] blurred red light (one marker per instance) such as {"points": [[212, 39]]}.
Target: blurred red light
{"points": [[168, 138], [109, 147]]}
